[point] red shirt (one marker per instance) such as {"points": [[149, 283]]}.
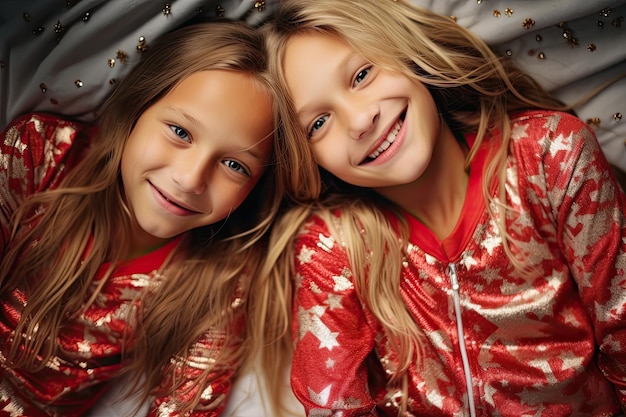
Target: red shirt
{"points": [[497, 342], [43, 149]]}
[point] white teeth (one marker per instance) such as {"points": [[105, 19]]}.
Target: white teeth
{"points": [[387, 142]]}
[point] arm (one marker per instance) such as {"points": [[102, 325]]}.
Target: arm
{"points": [[216, 386], [331, 330], [591, 213]]}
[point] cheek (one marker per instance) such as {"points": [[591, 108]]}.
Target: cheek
{"points": [[330, 155]]}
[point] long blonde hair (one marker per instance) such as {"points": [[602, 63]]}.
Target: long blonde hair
{"points": [[475, 90], [210, 266]]}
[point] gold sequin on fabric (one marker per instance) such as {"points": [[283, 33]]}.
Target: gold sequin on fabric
{"points": [[568, 34], [167, 9], [121, 56], [43, 87], [617, 117], [496, 13], [78, 83], [219, 11], [591, 47], [259, 5], [593, 121], [528, 23], [59, 30], [111, 62], [141, 45]]}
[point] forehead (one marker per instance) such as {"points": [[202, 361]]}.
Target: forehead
{"points": [[225, 102], [313, 61], [312, 50]]}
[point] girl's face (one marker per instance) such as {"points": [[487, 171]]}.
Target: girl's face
{"points": [[195, 154], [367, 126]]}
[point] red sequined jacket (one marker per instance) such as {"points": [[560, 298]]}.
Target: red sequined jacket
{"points": [[497, 343], [41, 149]]}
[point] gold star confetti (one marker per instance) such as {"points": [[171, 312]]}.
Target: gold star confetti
{"points": [[528, 23], [121, 56]]}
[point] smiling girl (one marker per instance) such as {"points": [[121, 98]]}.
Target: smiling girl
{"points": [[460, 242], [131, 246]]}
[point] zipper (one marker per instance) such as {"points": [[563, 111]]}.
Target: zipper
{"points": [[461, 334]]}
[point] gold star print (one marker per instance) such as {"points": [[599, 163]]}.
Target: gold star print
{"points": [[310, 322], [320, 398], [342, 282], [305, 255], [333, 301], [326, 243]]}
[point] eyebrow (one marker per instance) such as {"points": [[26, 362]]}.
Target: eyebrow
{"points": [[189, 118], [198, 125]]}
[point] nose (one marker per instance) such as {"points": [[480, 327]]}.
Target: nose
{"points": [[361, 118], [190, 172]]}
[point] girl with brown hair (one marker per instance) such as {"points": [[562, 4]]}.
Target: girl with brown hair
{"points": [[131, 247]]}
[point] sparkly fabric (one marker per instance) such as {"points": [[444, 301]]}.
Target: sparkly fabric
{"points": [[550, 344], [41, 148]]}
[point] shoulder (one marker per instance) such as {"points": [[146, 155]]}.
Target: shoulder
{"points": [[320, 239], [38, 148], [551, 134], [33, 129], [545, 125], [316, 231]]}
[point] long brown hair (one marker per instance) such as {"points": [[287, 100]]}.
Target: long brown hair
{"points": [[207, 270], [475, 90]]}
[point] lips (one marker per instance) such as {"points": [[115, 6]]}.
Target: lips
{"points": [[171, 205], [385, 141]]}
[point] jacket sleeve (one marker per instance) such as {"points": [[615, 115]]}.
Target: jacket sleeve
{"points": [[215, 387], [330, 328], [34, 156], [591, 214]]}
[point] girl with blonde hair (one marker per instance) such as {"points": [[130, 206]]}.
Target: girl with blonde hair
{"points": [[456, 238], [130, 247]]}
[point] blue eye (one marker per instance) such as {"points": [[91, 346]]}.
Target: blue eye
{"points": [[360, 76], [236, 166], [317, 125], [180, 132]]}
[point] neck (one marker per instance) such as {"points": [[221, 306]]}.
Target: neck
{"points": [[437, 197]]}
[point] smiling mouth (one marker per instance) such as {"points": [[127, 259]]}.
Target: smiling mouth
{"points": [[176, 204], [386, 143]]}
